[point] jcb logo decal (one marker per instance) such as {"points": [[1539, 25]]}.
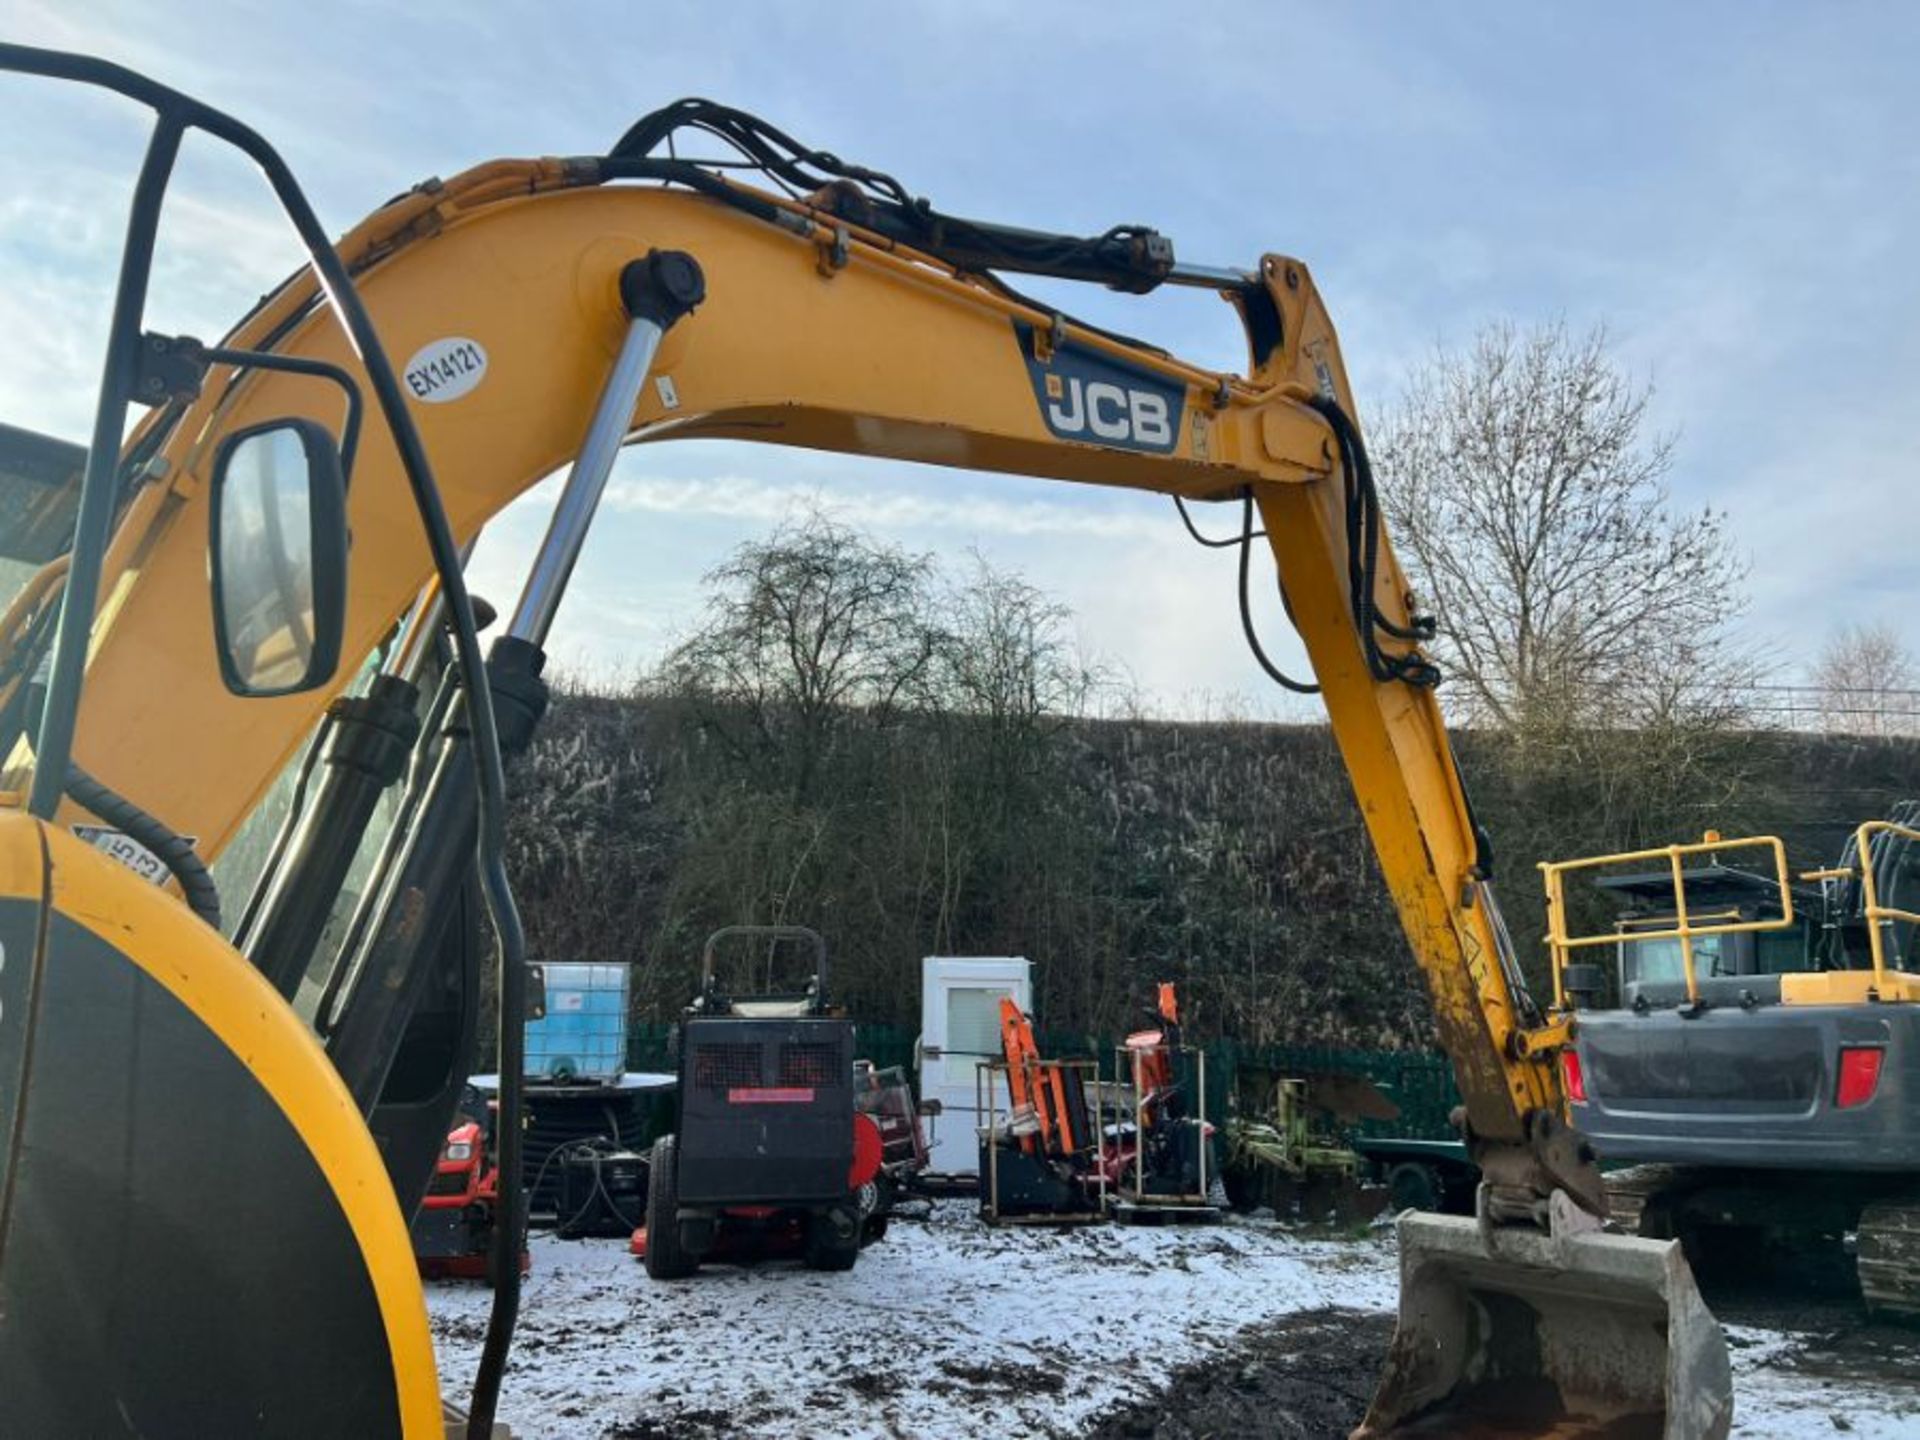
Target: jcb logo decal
{"points": [[1085, 395], [1108, 412]]}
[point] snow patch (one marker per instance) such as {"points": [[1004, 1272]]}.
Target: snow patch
{"points": [[947, 1328], [944, 1328]]}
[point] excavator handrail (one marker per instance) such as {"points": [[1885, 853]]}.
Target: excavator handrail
{"points": [[1686, 927], [1876, 915]]}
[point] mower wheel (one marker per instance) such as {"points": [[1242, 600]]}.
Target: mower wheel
{"points": [[832, 1242], [666, 1258], [876, 1199]]}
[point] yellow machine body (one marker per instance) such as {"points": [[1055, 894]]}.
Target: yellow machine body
{"points": [[182, 1174]]}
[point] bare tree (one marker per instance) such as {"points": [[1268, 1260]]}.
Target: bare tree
{"points": [[814, 627], [1867, 677], [1010, 657], [1531, 504]]}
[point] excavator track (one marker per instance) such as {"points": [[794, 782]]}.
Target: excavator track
{"points": [[1648, 1201], [1639, 1198], [1888, 1258]]}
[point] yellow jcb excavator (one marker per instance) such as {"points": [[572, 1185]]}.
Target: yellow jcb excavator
{"points": [[165, 1088]]}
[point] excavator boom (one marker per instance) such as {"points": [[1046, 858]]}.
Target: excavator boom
{"points": [[857, 320]]}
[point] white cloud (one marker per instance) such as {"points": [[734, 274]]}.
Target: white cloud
{"points": [[739, 497]]}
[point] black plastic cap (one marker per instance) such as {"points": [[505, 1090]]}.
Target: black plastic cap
{"points": [[519, 694], [662, 287]]}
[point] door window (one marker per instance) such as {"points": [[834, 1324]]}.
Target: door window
{"points": [[973, 1020]]}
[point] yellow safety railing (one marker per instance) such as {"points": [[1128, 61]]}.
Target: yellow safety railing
{"points": [[1878, 916], [1686, 927]]}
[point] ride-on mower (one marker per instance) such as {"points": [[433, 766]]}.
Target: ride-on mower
{"points": [[453, 1228], [886, 1098], [769, 1154]]}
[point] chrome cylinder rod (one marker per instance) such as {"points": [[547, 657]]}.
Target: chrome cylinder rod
{"points": [[586, 481], [1211, 277]]}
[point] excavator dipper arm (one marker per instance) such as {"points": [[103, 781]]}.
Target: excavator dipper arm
{"points": [[501, 287]]}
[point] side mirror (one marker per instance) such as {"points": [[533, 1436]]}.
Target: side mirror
{"points": [[278, 556]]}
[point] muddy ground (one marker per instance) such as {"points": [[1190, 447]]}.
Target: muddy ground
{"points": [[1303, 1378], [1802, 1368]]}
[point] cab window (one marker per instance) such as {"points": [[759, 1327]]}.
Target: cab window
{"points": [[1658, 962]]}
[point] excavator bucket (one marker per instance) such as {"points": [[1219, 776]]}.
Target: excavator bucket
{"points": [[1513, 1333]]}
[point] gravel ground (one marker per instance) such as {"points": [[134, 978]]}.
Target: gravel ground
{"points": [[948, 1329]]}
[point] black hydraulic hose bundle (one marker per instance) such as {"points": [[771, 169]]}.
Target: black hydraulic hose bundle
{"points": [[1363, 569], [1363, 560], [1128, 257], [174, 850], [169, 846], [1134, 258], [1186, 518], [1274, 672], [389, 961]]}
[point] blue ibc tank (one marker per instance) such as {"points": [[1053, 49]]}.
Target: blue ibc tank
{"points": [[584, 1033]]}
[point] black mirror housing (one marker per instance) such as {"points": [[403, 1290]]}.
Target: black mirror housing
{"points": [[277, 555]]}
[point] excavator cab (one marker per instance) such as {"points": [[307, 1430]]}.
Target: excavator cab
{"points": [[198, 1233]]}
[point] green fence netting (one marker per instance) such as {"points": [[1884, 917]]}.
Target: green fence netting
{"points": [[1418, 1083]]}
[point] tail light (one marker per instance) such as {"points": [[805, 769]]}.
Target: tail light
{"points": [[1859, 1075], [1576, 1080]]}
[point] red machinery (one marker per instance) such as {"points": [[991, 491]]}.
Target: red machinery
{"points": [[1056, 1160], [1044, 1165], [886, 1097], [453, 1229]]}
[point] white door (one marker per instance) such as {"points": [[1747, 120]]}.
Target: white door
{"points": [[959, 1028]]}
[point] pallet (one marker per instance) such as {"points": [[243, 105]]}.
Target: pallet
{"points": [[1129, 1212], [1090, 1217]]}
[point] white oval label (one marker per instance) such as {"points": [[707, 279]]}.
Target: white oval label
{"points": [[446, 369]]}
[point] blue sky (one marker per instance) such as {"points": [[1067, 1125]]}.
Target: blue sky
{"points": [[1730, 188]]}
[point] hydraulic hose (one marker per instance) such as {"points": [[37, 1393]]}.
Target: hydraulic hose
{"points": [[175, 850]]}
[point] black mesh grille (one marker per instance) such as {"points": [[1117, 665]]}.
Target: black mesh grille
{"points": [[448, 1182], [722, 1067], [802, 1064]]}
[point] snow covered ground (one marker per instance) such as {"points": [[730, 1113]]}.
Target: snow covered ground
{"points": [[1801, 1385], [948, 1329]]}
